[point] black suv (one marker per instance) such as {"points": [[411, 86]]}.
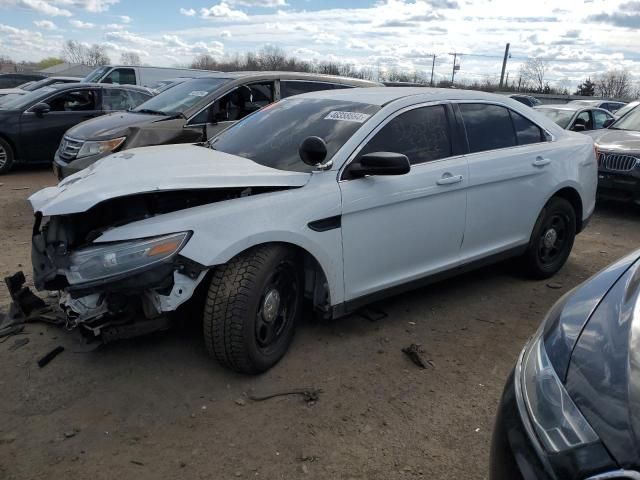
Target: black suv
{"points": [[32, 125], [186, 113]]}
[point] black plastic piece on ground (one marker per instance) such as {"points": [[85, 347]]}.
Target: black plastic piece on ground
{"points": [[50, 356], [24, 300]]}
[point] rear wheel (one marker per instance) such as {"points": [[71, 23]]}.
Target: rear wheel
{"points": [[552, 239], [6, 156], [252, 307]]}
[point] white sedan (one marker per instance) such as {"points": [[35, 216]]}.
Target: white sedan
{"points": [[341, 197]]}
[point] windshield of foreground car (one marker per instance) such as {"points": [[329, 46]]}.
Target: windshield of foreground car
{"points": [[22, 101], [180, 98], [631, 121], [561, 117], [627, 108], [95, 75], [272, 136]]}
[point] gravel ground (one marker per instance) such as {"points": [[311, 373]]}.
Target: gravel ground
{"points": [[159, 408]]}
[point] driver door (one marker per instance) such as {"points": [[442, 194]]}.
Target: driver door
{"points": [[41, 135], [396, 229]]}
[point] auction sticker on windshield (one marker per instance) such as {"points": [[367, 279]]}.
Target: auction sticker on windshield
{"points": [[199, 93], [348, 116]]}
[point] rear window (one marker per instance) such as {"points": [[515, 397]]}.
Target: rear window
{"points": [[488, 127]]}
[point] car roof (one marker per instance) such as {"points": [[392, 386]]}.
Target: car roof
{"points": [[73, 86], [288, 74], [561, 106], [383, 95]]}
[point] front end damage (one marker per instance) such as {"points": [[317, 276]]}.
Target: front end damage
{"points": [[114, 290]]}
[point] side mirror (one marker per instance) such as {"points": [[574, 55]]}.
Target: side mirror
{"points": [[40, 109], [380, 163], [607, 123], [579, 127], [313, 151]]}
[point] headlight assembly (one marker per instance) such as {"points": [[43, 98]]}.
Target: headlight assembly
{"points": [[556, 420], [95, 148], [110, 260]]}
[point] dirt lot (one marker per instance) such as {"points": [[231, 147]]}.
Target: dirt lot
{"points": [[159, 408]]}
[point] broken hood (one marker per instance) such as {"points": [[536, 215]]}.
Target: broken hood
{"points": [[155, 169]]}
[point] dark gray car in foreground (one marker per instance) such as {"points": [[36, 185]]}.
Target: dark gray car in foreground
{"points": [[571, 407], [181, 113]]}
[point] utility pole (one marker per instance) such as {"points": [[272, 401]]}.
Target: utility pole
{"points": [[433, 66], [453, 71], [504, 63]]}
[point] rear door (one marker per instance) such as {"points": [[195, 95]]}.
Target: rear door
{"points": [[41, 135], [511, 174], [396, 229]]}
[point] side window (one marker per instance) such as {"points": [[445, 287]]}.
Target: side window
{"points": [[422, 134], [526, 131], [599, 118], [239, 103], [137, 98], [583, 118], [73, 101], [121, 76], [114, 99], [488, 127], [288, 88]]}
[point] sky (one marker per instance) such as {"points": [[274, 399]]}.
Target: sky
{"points": [[578, 38]]}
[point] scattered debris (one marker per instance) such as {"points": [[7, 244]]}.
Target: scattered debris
{"points": [[484, 320], [20, 188], [372, 314], [21, 342], [554, 285], [414, 352], [310, 395], [24, 300], [50, 356], [304, 468], [9, 330], [136, 462], [71, 433], [241, 401]]}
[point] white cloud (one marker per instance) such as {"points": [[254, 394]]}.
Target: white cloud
{"points": [[259, 3], [176, 46], [81, 24], [129, 38], [40, 6], [125, 18], [326, 38], [222, 10], [112, 26], [189, 12], [88, 5], [225, 34], [45, 24]]}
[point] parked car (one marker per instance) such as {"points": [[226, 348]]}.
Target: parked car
{"points": [[32, 125], [332, 195], [31, 86], [570, 407], [618, 152], [610, 105], [576, 117], [162, 85], [10, 80], [527, 100], [626, 109], [141, 76], [183, 113]]}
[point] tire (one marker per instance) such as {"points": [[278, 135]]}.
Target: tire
{"points": [[551, 240], [6, 157], [247, 327]]}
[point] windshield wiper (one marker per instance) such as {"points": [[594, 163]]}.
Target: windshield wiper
{"points": [[150, 111]]}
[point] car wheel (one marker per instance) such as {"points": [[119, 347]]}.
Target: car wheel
{"points": [[552, 239], [6, 157], [252, 307]]}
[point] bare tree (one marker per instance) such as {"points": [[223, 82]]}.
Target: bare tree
{"points": [[204, 62], [130, 58], [271, 57], [74, 52], [533, 72], [614, 84], [97, 55]]}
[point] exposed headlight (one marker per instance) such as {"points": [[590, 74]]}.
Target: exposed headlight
{"points": [[102, 262], [95, 148], [556, 420]]}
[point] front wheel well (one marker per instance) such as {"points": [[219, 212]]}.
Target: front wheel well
{"points": [[573, 197]]}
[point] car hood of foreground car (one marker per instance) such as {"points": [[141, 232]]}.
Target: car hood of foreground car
{"points": [[621, 141], [602, 321], [155, 169]]}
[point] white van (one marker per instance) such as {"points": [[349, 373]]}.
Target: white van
{"points": [[142, 76]]}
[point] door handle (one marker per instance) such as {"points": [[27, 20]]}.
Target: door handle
{"points": [[448, 179], [541, 162]]}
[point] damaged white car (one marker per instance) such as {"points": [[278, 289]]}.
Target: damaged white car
{"points": [[340, 197]]}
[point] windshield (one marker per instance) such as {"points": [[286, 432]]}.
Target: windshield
{"points": [[561, 117], [272, 136], [182, 97], [631, 121], [9, 97], [96, 75], [627, 108], [21, 101]]}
